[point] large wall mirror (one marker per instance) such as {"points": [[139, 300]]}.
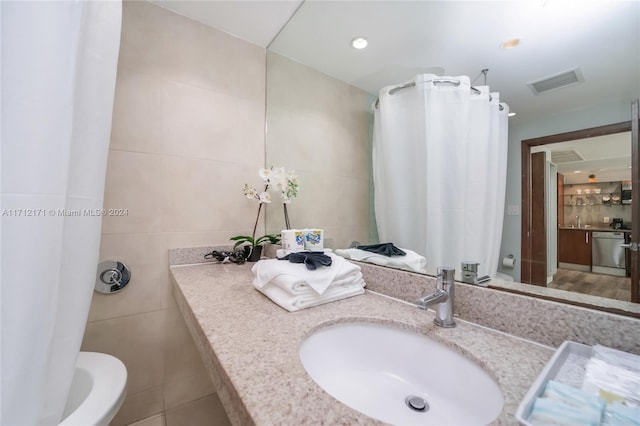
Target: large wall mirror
{"points": [[320, 93]]}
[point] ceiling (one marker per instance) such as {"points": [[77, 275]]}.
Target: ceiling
{"points": [[607, 157], [257, 21], [600, 38]]}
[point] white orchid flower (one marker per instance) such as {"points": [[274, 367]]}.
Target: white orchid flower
{"points": [[265, 174], [279, 184], [265, 197], [249, 191]]}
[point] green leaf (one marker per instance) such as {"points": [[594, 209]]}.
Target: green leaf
{"points": [[242, 239], [271, 238], [235, 246]]}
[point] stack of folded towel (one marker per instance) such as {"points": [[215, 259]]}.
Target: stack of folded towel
{"points": [[410, 261], [293, 286]]}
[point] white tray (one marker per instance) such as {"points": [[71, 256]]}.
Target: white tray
{"points": [[550, 372]]}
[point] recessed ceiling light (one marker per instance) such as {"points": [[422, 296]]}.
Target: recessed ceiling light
{"points": [[577, 171], [512, 114], [509, 44], [359, 43]]}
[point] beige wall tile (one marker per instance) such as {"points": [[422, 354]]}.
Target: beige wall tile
{"points": [[204, 123], [134, 183], [139, 249], [205, 57], [207, 411], [188, 132], [320, 127], [138, 341], [170, 301], [342, 237], [138, 406], [141, 38], [137, 112], [325, 201], [146, 292], [355, 193], [182, 359], [208, 238], [298, 140], [146, 256], [205, 195]]}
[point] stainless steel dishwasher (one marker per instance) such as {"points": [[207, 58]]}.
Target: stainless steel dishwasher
{"points": [[608, 255]]}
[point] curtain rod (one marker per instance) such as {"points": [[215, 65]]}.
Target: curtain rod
{"points": [[435, 81]]}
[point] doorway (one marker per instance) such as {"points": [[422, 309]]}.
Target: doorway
{"points": [[566, 263]]}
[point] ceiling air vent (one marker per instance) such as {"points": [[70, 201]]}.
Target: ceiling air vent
{"points": [[557, 81], [566, 156]]}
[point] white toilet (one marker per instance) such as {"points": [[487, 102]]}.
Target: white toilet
{"points": [[97, 391]]}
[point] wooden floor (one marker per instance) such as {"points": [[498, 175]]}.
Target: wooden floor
{"points": [[601, 285]]}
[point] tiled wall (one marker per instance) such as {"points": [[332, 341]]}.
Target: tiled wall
{"points": [[320, 127], [594, 215], [188, 127]]}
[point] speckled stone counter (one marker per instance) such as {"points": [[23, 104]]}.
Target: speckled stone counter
{"points": [[250, 347], [544, 321]]}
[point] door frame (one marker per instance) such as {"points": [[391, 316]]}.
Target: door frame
{"points": [[526, 242], [635, 195]]}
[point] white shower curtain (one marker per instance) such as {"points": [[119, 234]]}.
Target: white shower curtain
{"points": [[59, 64], [439, 166]]}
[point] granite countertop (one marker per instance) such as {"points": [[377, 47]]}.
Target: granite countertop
{"points": [[250, 347]]}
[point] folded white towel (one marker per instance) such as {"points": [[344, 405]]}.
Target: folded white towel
{"points": [[295, 287], [291, 275], [309, 298], [412, 261]]}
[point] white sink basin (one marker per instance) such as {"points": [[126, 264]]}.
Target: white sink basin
{"points": [[374, 368]]}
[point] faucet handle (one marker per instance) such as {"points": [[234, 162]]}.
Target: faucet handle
{"points": [[447, 272], [469, 266], [446, 275]]}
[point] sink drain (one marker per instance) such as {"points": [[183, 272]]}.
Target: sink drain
{"points": [[416, 403]]}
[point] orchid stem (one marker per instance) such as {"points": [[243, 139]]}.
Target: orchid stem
{"points": [[286, 217], [253, 236], [255, 227]]}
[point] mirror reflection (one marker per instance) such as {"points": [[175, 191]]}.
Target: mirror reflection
{"points": [[588, 195], [321, 93]]}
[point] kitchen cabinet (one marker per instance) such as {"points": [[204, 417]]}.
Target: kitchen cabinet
{"points": [[574, 246]]}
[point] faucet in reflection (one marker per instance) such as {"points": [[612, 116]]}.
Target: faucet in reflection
{"points": [[470, 274], [443, 297]]}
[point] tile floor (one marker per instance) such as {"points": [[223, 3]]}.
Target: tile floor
{"points": [[207, 411]]}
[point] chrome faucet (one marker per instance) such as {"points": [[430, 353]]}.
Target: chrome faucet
{"points": [[470, 274], [443, 296]]}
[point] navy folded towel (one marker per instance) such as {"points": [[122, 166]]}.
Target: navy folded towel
{"points": [[311, 259], [385, 249]]}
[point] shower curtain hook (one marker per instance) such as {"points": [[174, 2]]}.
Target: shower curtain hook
{"points": [[484, 72]]}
